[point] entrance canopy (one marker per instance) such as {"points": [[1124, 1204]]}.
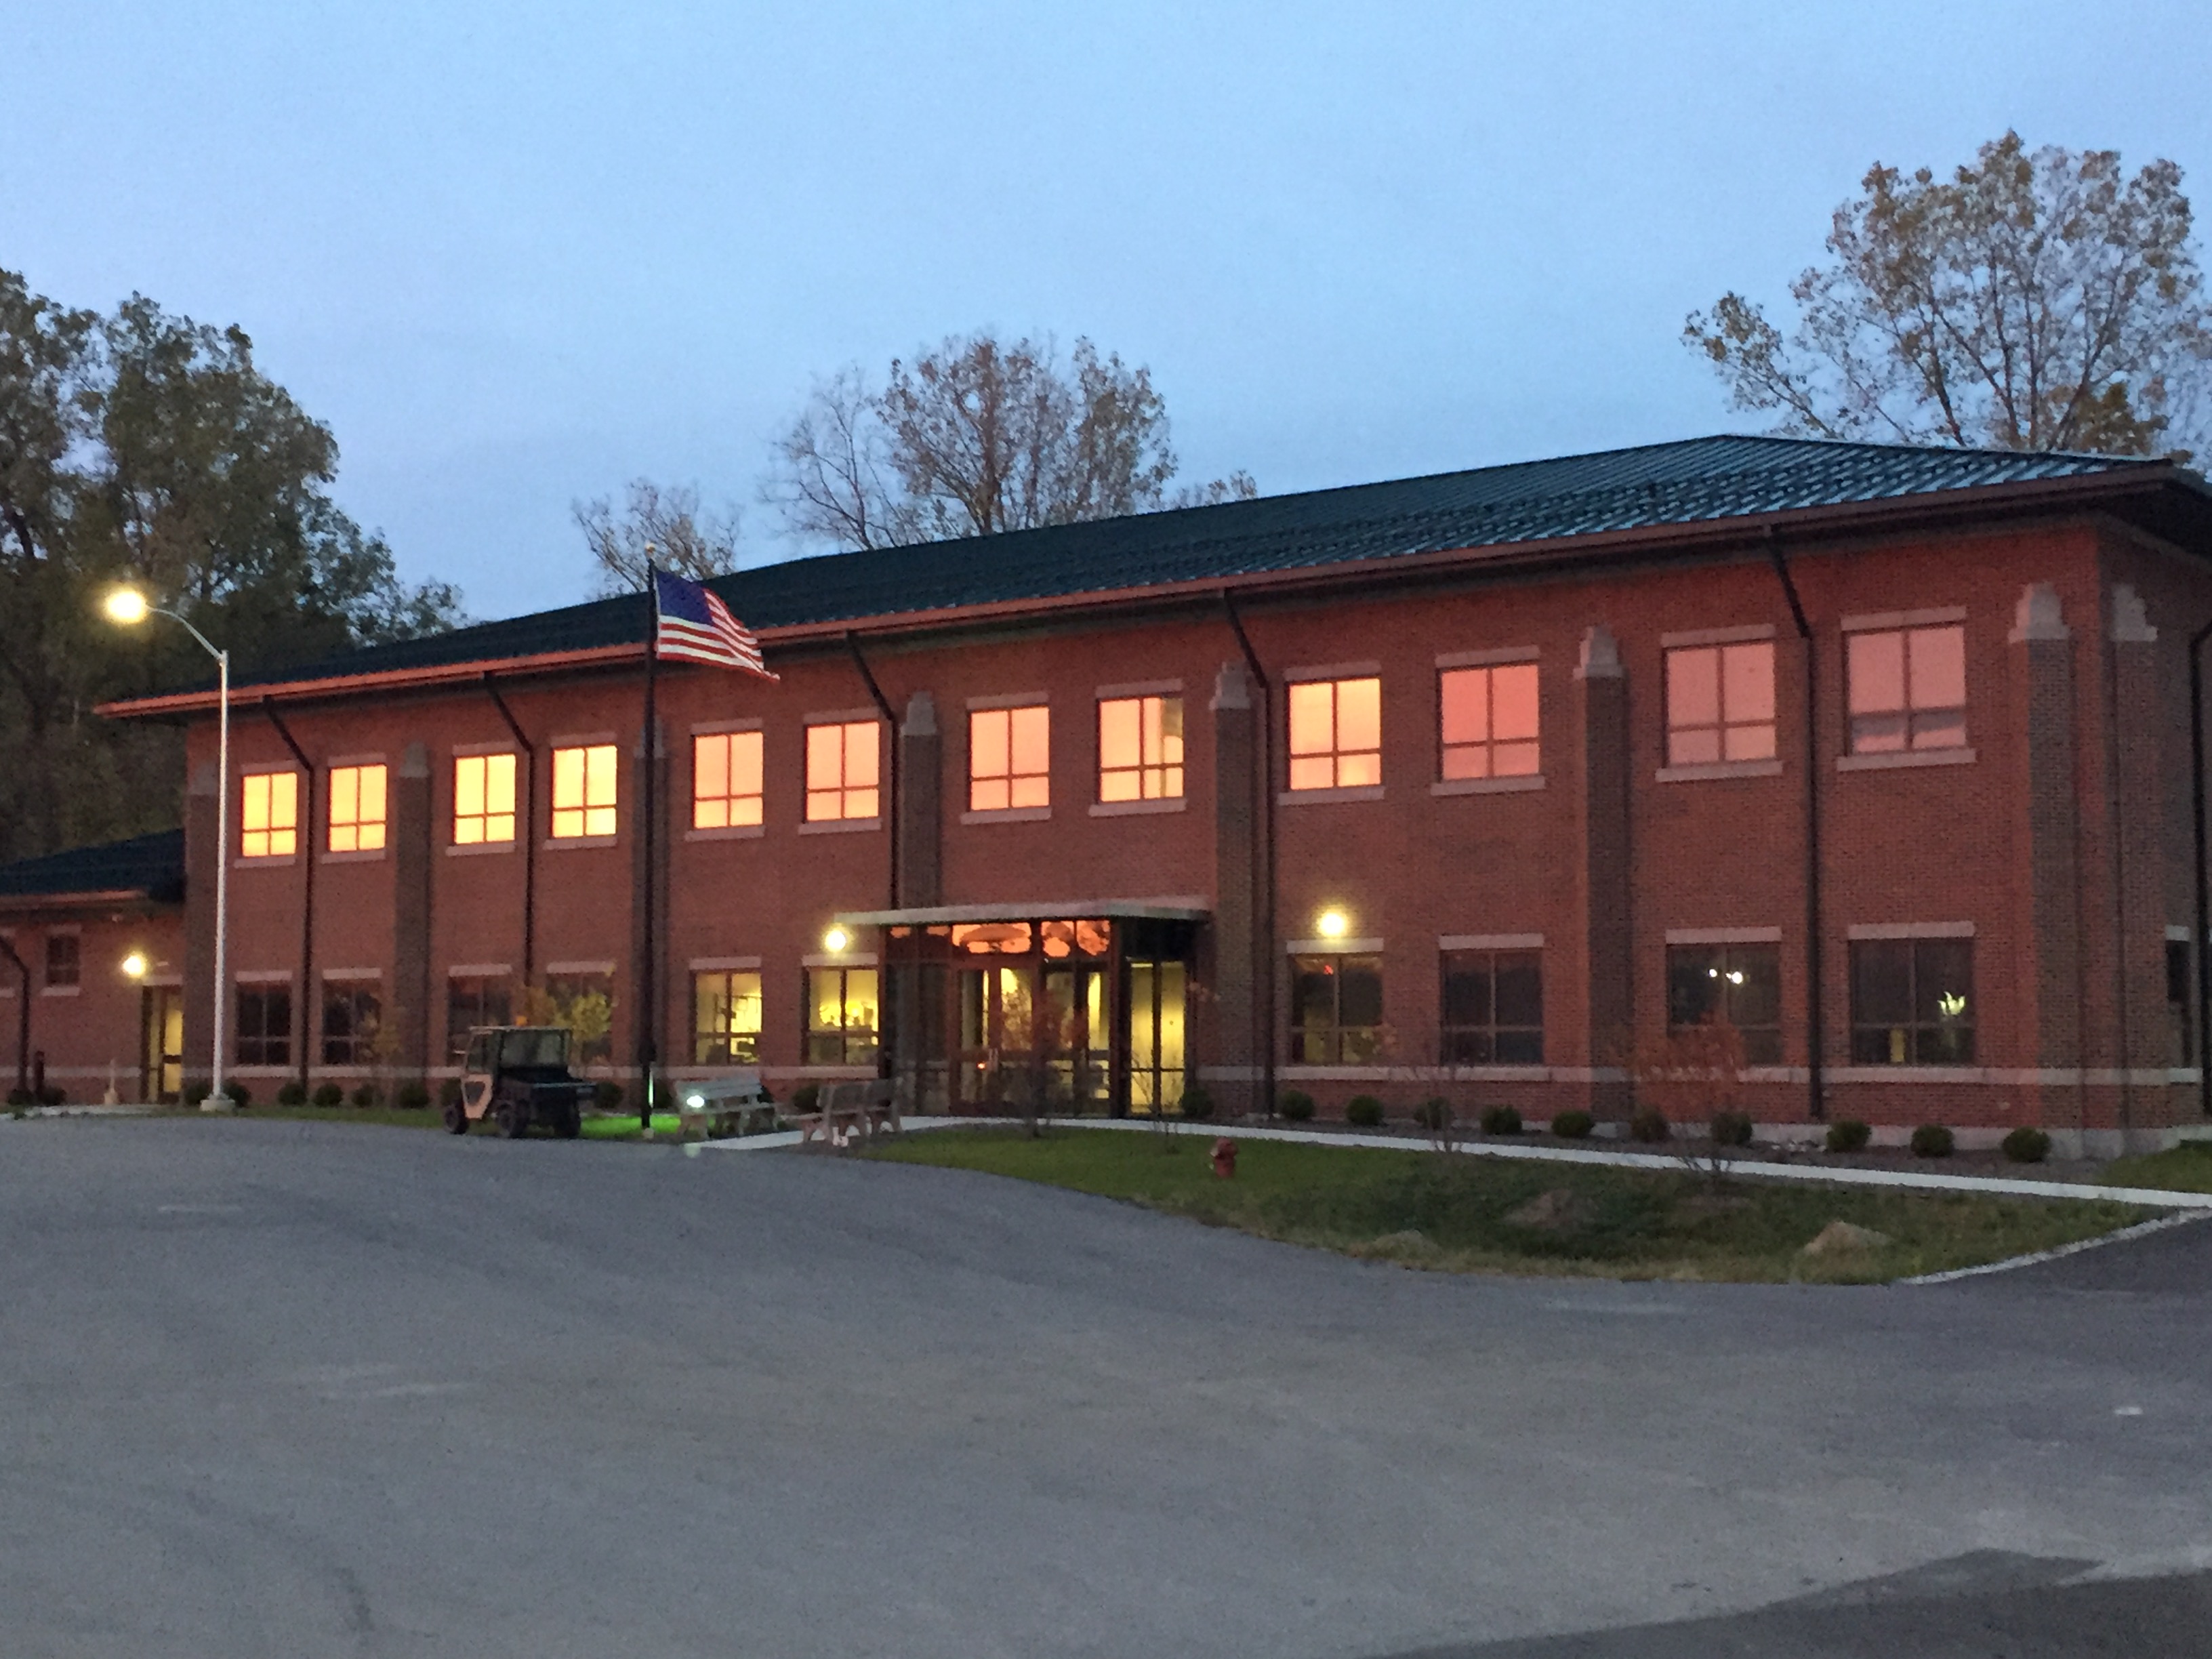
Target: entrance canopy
{"points": [[1179, 908]]}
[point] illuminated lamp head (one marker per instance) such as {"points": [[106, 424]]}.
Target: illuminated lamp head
{"points": [[1332, 923]]}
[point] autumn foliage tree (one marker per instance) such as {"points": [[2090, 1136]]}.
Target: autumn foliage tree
{"points": [[2032, 299]]}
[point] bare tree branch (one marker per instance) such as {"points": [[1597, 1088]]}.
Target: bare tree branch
{"points": [[662, 526]]}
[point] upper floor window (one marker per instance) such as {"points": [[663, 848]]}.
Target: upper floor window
{"points": [[1140, 748], [1720, 703], [65, 959], [1336, 1010], [726, 1019], [1493, 1008], [1009, 758], [484, 798], [1734, 985], [1336, 734], [726, 780], [1912, 1002], [843, 764], [356, 809], [584, 791], [269, 815], [1489, 721], [1908, 689]]}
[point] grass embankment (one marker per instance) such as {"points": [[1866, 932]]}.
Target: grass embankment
{"points": [[2184, 1168], [1475, 1215]]}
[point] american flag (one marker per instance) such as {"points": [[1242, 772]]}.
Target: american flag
{"points": [[692, 624]]}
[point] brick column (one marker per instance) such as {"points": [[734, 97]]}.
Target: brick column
{"points": [[1237, 1039], [201, 852], [2137, 799], [649, 886], [410, 809], [1609, 1027], [920, 832], [2051, 987]]}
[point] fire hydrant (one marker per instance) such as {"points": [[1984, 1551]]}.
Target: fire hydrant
{"points": [[1224, 1158]]}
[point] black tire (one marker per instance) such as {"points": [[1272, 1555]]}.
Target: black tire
{"points": [[457, 1118], [513, 1121], [572, 1122]]}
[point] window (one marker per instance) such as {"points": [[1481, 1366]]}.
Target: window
{"points": [[725, 1022], [1489, 721], [269, 815], [1009, 758], [1736, 985], [1336, 1010], [484, 800], [1912, 1002], [351, 1014], [841, 1016], [1720, 703], [1908, 689], [585, 1003], [726, 780], [264, 1026], [2180, 1006], [65, 960], [356, 809], [1140, 748], [584, 791], [473, 1000], [843, 762], [1336, 734], [1493, 1008]]}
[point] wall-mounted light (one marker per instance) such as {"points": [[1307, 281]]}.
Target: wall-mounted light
{"points": [[1333, 924], [134, 965], [835, 940]]}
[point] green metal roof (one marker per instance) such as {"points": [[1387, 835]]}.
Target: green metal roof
{"points": [[151, 866]]}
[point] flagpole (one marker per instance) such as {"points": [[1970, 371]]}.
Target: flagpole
{"points": [[649, 976]]}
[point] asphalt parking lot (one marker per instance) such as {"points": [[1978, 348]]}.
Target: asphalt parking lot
{"points": [[290, 1389]]}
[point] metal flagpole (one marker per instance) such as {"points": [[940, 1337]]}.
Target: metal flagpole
{"points": [[647, 975]]}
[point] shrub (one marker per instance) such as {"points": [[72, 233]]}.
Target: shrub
{"points": [[805, 1097], [1435, 1115], [1649, 1124], [329, 1094], [1731, 1129], [195, 1093], [237, 1093], [414, 1095], [1573, 1125], [294, 1093], [608, 1097], [1295, 1105], [1501, 1121], [1364, 1112], [21, 1097], [1848, 1134], [1933, 1141], [1197, 1102], [2026, 1145], [449, 1092], [366, 1096], [53, 1095]]}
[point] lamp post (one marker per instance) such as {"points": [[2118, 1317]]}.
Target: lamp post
{"points": [[128, 606]]}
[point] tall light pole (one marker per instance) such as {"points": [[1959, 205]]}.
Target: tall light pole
{"points": [[129, 606]]}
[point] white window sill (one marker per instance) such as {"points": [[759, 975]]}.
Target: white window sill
{"points": [[471, 849], [1903, 757], [1757, 768], [1487, 786], [1009, 815], [1332, 947], [1324, 797], [373, 856], [279, 862], [728, 832], [841, 826], [1132, 809], [566, 843], [60, 990]]}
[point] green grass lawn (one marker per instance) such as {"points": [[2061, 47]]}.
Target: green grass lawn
{"points": [[1459, 1213], [2184, 1168]]}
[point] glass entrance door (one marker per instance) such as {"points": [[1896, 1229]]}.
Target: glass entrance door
{"points": [[1036, 1034], [161, 1071], [1156, 996]]}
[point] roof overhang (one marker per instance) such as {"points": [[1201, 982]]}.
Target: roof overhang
{"points": [[1178, 909]]}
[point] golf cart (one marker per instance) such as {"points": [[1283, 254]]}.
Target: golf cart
{"points": [[516, 1076]]}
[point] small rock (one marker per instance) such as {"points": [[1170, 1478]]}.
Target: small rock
{"points": [[1841, 1238], [1559, 1210]]}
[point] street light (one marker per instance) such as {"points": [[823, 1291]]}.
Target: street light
{"points": [[128, 607]]}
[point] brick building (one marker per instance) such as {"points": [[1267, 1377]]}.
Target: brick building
{"points": [[1476, 786]]}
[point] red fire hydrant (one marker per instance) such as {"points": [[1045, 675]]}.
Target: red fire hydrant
{"points": [[1224, 1158]]}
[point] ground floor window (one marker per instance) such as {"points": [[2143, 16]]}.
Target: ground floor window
{"points": [[264, 1026], [1734, 985], [1336, 1010], [726, 1019], [473, 1000], [351, 1015], [841, 1016], [585, 1003], [2180, 1003], [1493, 1008], [1912, 1002]]}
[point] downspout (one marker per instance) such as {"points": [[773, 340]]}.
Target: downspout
{"points": [[306, 896], [23, 1002], [2203, 927], [1815, 1025], [1264, 985], [529, 830], [891, 765]]}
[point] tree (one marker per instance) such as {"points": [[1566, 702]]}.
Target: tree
{"points": [[2031, 300], [662, 526], [977, 437]]}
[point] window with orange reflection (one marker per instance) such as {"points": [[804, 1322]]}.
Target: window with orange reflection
{"points": [[1336, 734], [269, 815], [1009, 758], [842, 763], [1140, 748], [1907, 689], [357, 812], [1720, 703], [726, 780], [1489, 721], [1080, 939], [984, 939]]}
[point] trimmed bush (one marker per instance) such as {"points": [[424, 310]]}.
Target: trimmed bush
{"points": [[366, 1096], [1501, 1121], [2026, 1145], [1295, 1106], [608, 1097], [237, 1093], [1435, 1115], [195, 1093], [1364, 1112], [1649, 1124], [21, 1097], [413, 1096], [294, 1093], [1848, 1134], [449, 1092], [1933, 1141], [329, 1094], [1731, 1128], [1197, 1104], [1573, 1125], [805, 1097]]}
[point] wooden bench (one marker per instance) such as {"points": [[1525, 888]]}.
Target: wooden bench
{"points": [[731, 1104], [845, 1112]]}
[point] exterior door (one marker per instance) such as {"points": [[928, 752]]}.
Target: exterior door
{"points": [[997, 1037], [161, 1071], [1156, 996]]}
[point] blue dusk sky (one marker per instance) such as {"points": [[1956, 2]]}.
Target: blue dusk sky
{"points": [[516, 254]]}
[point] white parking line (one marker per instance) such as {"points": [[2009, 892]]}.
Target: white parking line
{"points": [[2158, 1225]]}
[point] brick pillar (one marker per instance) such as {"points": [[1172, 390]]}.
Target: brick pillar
{"points": [[409, 809], [649, 886], [921, 827], [2050, 985], [2137, 801], [1609, 1030], [201, 852], [1236, 1038]]}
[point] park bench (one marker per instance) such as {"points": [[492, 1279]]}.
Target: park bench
{"points": [[844, 1112], [733, 1104]]}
